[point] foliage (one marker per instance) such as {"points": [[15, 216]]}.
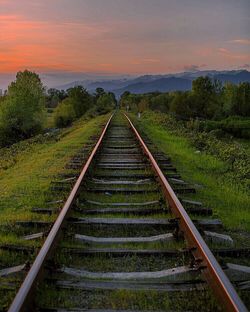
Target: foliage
{"points": [[54, 97], [181, 105], [219, 169], [105, 103], [64, 114], [161, 102], [208, 101], [22, 112], [80, 100], [233, 153], [234, 125], [99, 92]]}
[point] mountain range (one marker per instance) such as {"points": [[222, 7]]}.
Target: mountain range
{"points": [[161, 83], [135, 84]]}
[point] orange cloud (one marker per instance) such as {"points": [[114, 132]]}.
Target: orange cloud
{"points": [[36, 44]]}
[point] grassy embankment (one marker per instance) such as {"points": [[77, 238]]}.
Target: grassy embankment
{"points": [[28, 167], [228, 198]]}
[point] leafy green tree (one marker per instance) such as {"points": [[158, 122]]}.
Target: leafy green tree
{"points": [[243, 100], [204, 94], [161, 102], [105, 103], [64, 114], [113, 97], [143, 104], [99, 92], [180, 105], [80, 99], [22, 113], [229, 97], [54, 97]]}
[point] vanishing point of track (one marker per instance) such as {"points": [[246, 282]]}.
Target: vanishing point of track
{"points": [[125, 197]]}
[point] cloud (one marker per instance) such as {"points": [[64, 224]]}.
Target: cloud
{"points": [[193, 67], [106, 65], [232, 56], [246, 66], [223, 51], [38, 44], [240, 41], [151, 60]]}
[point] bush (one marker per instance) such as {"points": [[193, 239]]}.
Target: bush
{"points": [[80, 100], [64, 114], [232, 153], [22, 112], [236, 126], [105, 103]]}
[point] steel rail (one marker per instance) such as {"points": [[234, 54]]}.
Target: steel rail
{"points": [[210, 268], [23, 299]]}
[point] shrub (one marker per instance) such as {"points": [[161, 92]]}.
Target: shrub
{"points": [[234, 125], [64, 114], [105, 103], [22, 112]]}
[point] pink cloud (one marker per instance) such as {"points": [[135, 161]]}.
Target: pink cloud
{"points": [[232, 56], [241, 41], [151, 60]]}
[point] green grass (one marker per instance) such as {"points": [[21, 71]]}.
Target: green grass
{"points": [[129, 300], [29, 167], [228, 199]]}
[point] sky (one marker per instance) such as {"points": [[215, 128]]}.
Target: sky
{"points": [[124, 36]]}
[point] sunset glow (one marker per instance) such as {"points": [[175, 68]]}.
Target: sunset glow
{"points": [[117, 36]]}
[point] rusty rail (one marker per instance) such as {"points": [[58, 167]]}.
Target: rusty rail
{"points": [[204, 258], [23, 299]]}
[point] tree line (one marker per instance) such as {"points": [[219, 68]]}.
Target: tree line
{"points": [[23, 107], [208, 99]]}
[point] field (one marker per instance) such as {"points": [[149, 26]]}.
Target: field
{"points": [[228, 198]]}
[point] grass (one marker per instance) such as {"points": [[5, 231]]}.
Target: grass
{"points": [[228, 199], [129, 300], [131, 263], [30, 167], [26, 172]]}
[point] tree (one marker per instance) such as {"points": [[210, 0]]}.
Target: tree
{"points": [[99, 92], [160, 102], [105, 103], [180, 105], [80, 100], [143, 105], [204, 94], [22, 113], [64, 114], [54, 97], [243, 100], [229, 97]]}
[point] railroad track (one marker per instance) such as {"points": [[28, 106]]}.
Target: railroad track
{"points": [[122, 240]]}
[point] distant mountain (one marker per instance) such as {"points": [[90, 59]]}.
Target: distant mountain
{"points": [[160, 83], [234, 77], [140, 84]]}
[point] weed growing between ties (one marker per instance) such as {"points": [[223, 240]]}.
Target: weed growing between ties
{"points": [[128, 300]]}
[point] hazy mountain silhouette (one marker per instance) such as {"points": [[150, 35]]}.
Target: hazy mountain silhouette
{"points": [[161, 83], [141, 84]]}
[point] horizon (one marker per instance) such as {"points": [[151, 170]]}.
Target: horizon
{"points": [[133, 37], [51, 79]]}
